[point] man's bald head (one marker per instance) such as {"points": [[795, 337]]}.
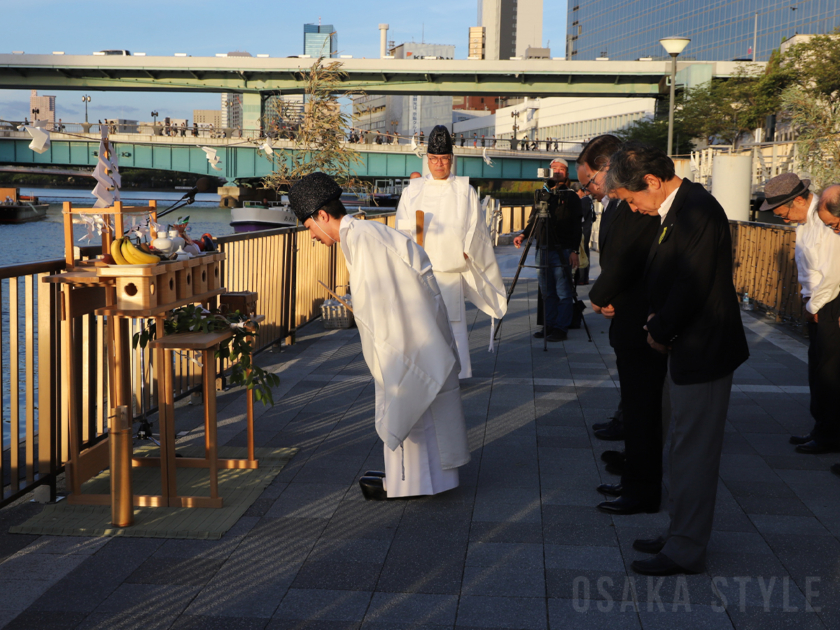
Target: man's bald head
{"points": [[415, 175], [828, 207]]}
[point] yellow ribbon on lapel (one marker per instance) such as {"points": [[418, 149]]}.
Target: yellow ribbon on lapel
{"points": [[662, 236]]}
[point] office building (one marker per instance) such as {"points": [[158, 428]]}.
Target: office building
{"points": [[406, 114], [570, 120], [320, 40], [231, 112], [722, 30], [208, 117], [475, 49], [42, 107], [510, 26]]}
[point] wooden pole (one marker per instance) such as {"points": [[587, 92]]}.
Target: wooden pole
{"points": [[421, 224], [346, 305]]}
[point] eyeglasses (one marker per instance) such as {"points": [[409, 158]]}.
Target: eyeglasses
{"points": [[585, 187], [446, 159]]}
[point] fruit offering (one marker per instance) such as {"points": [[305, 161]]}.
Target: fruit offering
{"points": [[124, 252]]}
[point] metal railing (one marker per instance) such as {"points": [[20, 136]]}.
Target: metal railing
{"points": [[283, 266]]}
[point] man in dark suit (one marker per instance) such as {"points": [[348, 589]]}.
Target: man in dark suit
{"points": [[624, 241], [693, 318]]}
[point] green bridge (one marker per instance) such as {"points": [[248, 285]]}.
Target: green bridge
{"points": [[241, 160]]}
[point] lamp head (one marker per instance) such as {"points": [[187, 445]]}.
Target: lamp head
{"points": [[674, 45]]}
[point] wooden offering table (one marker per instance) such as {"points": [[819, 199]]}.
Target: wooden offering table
{"points": [[121, 293]]}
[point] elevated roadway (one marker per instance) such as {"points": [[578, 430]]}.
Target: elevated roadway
{"points": [[254, 75]]}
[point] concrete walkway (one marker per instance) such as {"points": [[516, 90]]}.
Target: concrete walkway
{"points": [[518, 545]]}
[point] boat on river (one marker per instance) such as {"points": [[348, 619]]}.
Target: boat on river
{"points": [[17, 208], [254, 216]]}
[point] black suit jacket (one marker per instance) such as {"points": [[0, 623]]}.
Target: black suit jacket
{"points": [[690, 289], [624, 240]]}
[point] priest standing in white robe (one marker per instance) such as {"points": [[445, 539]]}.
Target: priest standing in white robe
{"points": [[407, 343], [456, 240]]}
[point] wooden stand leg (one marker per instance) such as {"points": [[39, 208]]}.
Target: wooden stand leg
{"points": [[166, 420], [68, 382], [249, 417], [209, 373], [122, 495]]}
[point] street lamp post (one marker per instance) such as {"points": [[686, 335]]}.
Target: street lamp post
{"points": [[86, 100], [35, 113], [515, 115], [673, 46], [155, 117]]}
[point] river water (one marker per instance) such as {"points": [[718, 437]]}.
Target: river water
{"points": [[44, 240]]}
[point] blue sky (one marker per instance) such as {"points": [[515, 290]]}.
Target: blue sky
{"points": [[166, 27]]}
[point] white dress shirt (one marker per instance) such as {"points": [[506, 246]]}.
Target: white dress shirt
{"points": [[666, 205], [817, 257]]}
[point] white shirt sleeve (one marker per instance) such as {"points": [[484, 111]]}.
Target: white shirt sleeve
{"points": [[828, 268]]}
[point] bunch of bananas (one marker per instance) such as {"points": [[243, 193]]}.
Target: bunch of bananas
{"points": [[125, 253]]}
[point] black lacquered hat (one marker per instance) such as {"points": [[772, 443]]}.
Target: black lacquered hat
{"points": [[440, 142], [312, 193]]}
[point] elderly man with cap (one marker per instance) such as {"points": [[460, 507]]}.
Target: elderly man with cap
{"points": [[407, 343], [456, 240], [818, 266], [556, 256]]}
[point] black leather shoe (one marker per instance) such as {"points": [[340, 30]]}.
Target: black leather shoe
{"points": [[539, 334], [659, 565], [373, 488], [796, 440], [557, 335], [615, 469], [613, 433], [626, 506], [815, 448], [616, 458], [835, 468], [375, 473], [610, 489], [600, 426], [649, 545]]}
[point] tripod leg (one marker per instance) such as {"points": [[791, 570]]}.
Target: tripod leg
{"points": [[522, 259]]}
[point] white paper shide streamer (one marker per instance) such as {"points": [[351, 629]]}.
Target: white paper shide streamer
{"points": [[106, 174], [212, 157], [40, 137]]}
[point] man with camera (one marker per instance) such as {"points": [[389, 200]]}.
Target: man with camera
{"points": [[557, 245]]}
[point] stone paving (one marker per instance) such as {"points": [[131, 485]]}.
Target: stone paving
{"points": [[518, 545]]}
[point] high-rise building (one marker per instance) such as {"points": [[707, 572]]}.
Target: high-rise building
{"points": [[476, 43], [320, 40], [208, 117], [510, 26], [406, 114], [720, 31], [42, 107], [231, 113]]}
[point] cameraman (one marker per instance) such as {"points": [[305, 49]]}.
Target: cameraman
{"points": [[557, 246]]}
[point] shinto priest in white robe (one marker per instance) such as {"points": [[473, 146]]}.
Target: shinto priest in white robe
{"points": [[454, 226], [408, 345]]}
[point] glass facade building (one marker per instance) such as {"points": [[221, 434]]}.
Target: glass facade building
{"points": [[320, 40], [720, 30]]}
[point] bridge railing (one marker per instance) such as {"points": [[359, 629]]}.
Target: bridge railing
{"points": [[283, 266], [161, 132]]}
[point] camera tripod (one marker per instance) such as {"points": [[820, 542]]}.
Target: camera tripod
{"points": [[540, 223]]}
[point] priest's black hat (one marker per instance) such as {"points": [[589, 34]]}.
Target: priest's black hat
{"points": [[311, 193], [440, 142]]}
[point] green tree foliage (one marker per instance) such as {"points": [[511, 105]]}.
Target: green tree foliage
{"points": [[319, 140], [655, 133]]}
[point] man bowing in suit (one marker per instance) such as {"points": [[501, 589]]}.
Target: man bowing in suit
{"points": [[624, 241], [693, 318]]}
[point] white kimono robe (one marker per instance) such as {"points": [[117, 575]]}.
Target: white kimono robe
{"points": [[454, 225], [408, 345]]}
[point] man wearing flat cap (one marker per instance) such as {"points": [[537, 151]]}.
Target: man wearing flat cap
{"points": [[406, 341], [818, 266], [456, 240]]}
